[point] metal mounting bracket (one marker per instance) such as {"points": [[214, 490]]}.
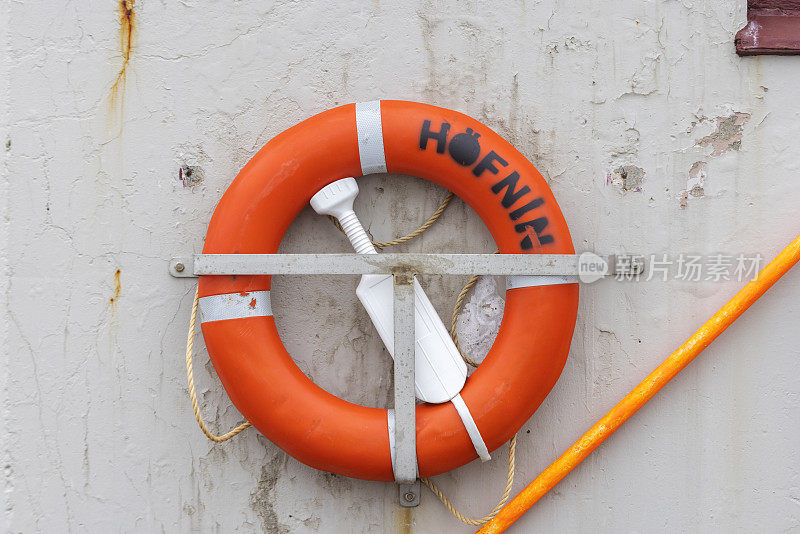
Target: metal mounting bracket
{"points": [[404, 267], [411, 263], [409, 494]]}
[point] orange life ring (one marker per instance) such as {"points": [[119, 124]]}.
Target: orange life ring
{"points": [[454, 151]]}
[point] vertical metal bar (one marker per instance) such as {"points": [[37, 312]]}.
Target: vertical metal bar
{"points": [[405, 468]]}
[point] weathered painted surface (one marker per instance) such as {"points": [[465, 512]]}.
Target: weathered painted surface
{"points": [[96, 195]]}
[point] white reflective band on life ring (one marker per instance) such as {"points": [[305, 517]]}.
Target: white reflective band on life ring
{"points": [[466, 418], [472, 428], [235, 306], [370, 137], [390, 424], [513, 282]]}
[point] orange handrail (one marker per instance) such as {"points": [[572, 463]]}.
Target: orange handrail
{"points": [[642, 393]]}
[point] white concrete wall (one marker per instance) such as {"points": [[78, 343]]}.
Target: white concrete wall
{"points": [[98, 432]]}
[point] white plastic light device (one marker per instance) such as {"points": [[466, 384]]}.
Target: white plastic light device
{"points": [[440, 372]]}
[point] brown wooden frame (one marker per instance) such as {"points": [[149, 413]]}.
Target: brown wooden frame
{"points": [[773, 27]]}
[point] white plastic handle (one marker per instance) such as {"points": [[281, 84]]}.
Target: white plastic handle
{"points": [[440, 372]]}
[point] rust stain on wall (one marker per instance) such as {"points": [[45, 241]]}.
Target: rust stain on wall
{"points": [[127, 27], [117, 288], [404, 521]]}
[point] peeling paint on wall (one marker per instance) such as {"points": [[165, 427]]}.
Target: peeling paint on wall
{"points": [[191, 175], [727, 136], [695, 183], [627, 177], [262, 495], [644, 81]]}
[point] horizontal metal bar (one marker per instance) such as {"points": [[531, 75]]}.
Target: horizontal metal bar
{"points": [[408, 263]]}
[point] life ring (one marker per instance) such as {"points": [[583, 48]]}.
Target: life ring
{"points": [[440, 145]]}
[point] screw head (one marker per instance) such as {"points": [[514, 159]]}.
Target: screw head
{"points": [[408, 496], [179, 267]]}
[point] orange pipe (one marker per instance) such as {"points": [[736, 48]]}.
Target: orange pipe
{"points": [[642, 393]]}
